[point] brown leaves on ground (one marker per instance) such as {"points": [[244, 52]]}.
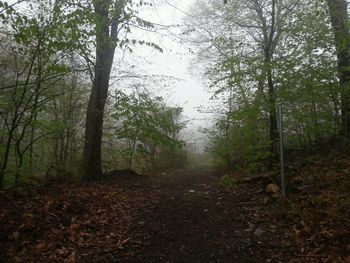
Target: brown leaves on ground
{"points": [[69, 223], [181, 217], [321, 212]]}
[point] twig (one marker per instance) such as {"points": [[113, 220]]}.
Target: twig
{"points": [[122, 242], [119, 245], [53, 215], [311, 256], [337, 216]]}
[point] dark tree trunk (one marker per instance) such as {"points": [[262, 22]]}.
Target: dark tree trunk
{"points": [[132, 152], [105, 49], [94, 116], [340, 23], [273, 129], [270, 44], [31, 148]]}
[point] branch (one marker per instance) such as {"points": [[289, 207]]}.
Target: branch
{"points": [[32, 83], [11, 6]]}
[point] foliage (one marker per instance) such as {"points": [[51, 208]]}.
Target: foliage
{"points": [[148, 125], [231, 43], [47, 66], [40, 66]]}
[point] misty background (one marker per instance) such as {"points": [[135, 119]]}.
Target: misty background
{"points": [[171, 73]]}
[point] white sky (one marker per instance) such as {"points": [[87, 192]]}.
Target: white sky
{"points": [[175, 61]]}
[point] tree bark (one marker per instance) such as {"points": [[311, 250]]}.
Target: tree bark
{"points": [[94, 116], [273, 129], [271, 38], [340, 23], [105, 49]]}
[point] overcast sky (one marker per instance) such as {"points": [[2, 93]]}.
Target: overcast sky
{"points": [[188, 92]]}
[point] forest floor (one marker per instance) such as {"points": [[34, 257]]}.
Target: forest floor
{"points": [[182, 216]]}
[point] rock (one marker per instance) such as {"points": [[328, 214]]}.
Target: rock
{"points": [[276, 195], [258, 232], [272, 189], [248, 180], [297, 180]]}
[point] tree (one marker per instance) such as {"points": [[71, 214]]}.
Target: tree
{"points": [[147, 124], [338, 10], [111, 17], [46, 56], [254, 54], [35, 49], [257, 27]]}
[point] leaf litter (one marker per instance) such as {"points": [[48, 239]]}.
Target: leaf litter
{"points": [[180, 217]]}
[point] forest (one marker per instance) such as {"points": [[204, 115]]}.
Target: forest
{"points": [[95, 163]]}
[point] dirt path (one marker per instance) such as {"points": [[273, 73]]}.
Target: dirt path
{"points": [[181, 217], [196, 221]]}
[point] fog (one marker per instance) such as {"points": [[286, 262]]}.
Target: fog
{"points": [[184, 88]]}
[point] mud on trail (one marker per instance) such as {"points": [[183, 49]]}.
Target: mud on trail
{"points": [[182, 216]]}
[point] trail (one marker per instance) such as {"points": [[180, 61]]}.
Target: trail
{"points": [[177, 217], [197, 221]]}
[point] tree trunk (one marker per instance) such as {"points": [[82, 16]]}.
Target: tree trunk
{"points": [[94, 116], [340, 23], [228, 117], [105, 49], [6, 156], [273, 129], [132, 153], [270, 45], [31, 147]]}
